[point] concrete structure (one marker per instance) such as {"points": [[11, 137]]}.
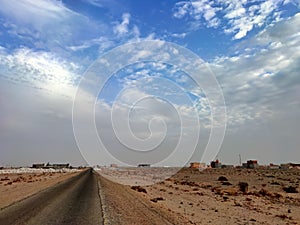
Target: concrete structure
{"points": [[216, 164], [113, 165], [38, 165], [227, 166], [289, 165], [245, 165], [295, 164], [57, 165], [251, 164], [144, 165], [284, 166], [197, 165], [273, 166]]}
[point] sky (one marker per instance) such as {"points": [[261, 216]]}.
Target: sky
{"points": [[149, 110]]}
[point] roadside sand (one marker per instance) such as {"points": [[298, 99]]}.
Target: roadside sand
{"points": [[16, 186]]}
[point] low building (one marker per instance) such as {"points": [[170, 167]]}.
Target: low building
{"points": [[245, 165], [252, 164], [295, 165], [38, 165], [216, 164], [227, 166], [197, 165], [284, 166], [274, 166], [289, 165], [113, 165], [144, 165], [58, 165]]}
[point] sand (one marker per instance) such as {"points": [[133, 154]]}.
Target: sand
{"points": [[198, 197], [18, 184]]}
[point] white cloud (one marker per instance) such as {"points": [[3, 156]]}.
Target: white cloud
{"points": [[122, 28], [239, 17], [42, 70], [47, 24], [259, 84], [198, 10]]}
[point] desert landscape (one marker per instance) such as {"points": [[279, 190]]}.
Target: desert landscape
{"points": [[154, 196], [220, 196]]}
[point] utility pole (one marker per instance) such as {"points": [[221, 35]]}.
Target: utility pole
{"points": [[240, 159]]}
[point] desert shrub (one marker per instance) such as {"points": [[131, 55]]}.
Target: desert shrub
{"points": [[290, 189], [282, 216], [222, 178], [264, 192], [243, 187], [157, 199], [139, 189]]}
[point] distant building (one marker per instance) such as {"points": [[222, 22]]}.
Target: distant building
{"points": [[284, 166], [251, 164], [144, 165], [227, 166], [216, 164], [113, 165], [58, 165], [197, 165], [273, 166], [289, 165], [38, 165], [295, 164]]}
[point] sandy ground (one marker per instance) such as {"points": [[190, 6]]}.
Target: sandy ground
{"points": [[198, 197], [137, 176], [17, 185]]}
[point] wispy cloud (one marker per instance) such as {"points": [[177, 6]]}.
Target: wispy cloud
{"points": [[39, 69], [258, 82], [48, 24], [241, 16]]}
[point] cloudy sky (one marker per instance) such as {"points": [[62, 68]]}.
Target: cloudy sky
{"points": [[51, 50]]}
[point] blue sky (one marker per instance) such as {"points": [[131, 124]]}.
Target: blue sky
{"points": [[252, 47]]}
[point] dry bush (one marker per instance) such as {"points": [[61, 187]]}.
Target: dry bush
{"points": [[243, 187], [290, 189], [222, 178], [157, 199], [283, 216], [139, 189]]}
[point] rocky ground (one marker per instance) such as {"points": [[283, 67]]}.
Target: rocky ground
{"points": [[223, 196]]}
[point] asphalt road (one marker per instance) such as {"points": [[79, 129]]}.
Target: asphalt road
{"points": [[74, 201]]}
